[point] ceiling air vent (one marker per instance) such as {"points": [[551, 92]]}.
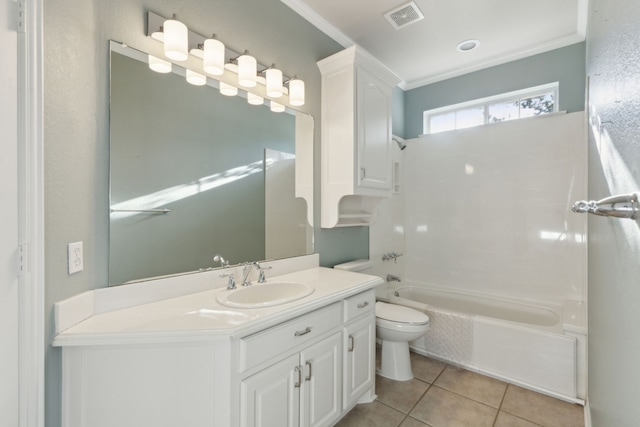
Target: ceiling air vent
{"points": [[404, 15]]}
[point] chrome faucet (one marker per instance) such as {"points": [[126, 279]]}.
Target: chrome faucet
{"points": [[245, 272], [247, 269], [392, 278], [391, 256]]}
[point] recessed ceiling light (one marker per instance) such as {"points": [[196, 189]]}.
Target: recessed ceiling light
{"points": [[468, 45]]}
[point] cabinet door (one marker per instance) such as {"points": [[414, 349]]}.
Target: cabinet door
{"points": [[359, 359], [320, 394], [271, 398], [374, 132]]}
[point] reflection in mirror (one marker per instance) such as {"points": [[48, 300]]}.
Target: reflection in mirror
{"points": [[191, 171]]}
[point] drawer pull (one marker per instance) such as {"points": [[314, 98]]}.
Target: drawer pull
{"points": [[303, 332], [352, 343], [299, 372], [363, 304], [309, 377]]}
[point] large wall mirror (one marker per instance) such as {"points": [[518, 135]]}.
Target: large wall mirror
{"points": [[195, 173]]}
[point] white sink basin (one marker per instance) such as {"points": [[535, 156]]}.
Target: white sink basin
{"points": [[264, 295]]}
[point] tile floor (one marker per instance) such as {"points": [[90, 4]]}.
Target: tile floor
{"points": [[440, 395]]}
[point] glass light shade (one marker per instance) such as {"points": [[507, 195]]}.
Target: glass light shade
{"points": [[296, 92], [176, 40], [213, 61], [196, 79], [159, 65], [247, 70], [274, 82], [276, 108], [228, 90], [254, 99]]}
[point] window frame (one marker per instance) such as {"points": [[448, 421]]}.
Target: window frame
{"points": [[517, 95]]}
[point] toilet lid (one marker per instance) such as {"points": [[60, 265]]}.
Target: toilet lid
{"points": [[400, 313]]}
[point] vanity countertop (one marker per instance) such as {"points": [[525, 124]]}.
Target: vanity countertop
{"points": [[199, 316]]}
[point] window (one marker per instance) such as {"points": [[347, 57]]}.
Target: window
{"points": [[507, 106]]}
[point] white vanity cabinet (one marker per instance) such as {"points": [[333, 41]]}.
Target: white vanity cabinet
{"points": [[301, 390], [304, 388], [189, 361], [332, 366], [356, 137], [136, 384], [359, 348]]}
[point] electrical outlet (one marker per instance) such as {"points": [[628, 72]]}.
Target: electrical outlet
{"points": [[76, 259]]}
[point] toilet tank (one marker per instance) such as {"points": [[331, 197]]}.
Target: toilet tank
{"points": [[357, 265]]}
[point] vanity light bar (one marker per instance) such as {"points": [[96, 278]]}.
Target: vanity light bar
{"points": [[196, 44]]}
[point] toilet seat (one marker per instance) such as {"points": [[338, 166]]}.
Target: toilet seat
{"points": [[387, 314]]}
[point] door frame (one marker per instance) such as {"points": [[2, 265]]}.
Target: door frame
{"points": [[31, 212]]}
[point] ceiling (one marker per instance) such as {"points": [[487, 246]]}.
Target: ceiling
{"points": [[424, 51]]}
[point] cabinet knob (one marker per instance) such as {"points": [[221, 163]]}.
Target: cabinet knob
{"points": [[363, 304]]}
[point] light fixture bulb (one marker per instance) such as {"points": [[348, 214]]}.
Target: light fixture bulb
{"points": [[159, 65], [228, 90], [276, 108], [213, 61], [196, 79], [274, 82], [254, 99], [247, 70], [296, 92], [176, 40]]}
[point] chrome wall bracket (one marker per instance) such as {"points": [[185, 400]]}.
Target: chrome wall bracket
{"points": [[620, 206]]}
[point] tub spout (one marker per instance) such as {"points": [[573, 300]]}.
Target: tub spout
{"points": [[392, 278]]}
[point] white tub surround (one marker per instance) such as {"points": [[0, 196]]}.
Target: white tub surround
{"points": [[172, 355], [540, 347]]}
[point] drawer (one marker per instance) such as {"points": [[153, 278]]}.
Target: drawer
{"points": [[262, 346], [360, 304]]}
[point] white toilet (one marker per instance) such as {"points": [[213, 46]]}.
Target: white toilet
{"points": [[396, 325]]}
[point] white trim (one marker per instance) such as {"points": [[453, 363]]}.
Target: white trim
{"points": [[587, 414], [31, 214], [525, 53], [338, 36], [319, 22], [323, 25]]}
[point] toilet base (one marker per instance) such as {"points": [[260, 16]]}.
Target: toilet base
{"points": [[395, 361]]}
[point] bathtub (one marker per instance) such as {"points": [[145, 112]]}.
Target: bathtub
{"points": [[540, 347]]}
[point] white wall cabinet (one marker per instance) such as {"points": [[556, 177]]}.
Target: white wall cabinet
{"points": [[356, 137]]}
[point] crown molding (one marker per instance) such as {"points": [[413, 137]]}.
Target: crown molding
{"points": [[319, 22], [339, 37]]}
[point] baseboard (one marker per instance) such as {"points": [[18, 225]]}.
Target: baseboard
{"points": [[587, 414]]}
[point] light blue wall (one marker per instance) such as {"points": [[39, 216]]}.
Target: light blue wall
{"points": [[565, 65], [76, 128], [613, 67]]}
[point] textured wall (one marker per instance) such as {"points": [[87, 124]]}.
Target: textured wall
{"points": [[76, 110], [565, 65], [613, 67]]}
